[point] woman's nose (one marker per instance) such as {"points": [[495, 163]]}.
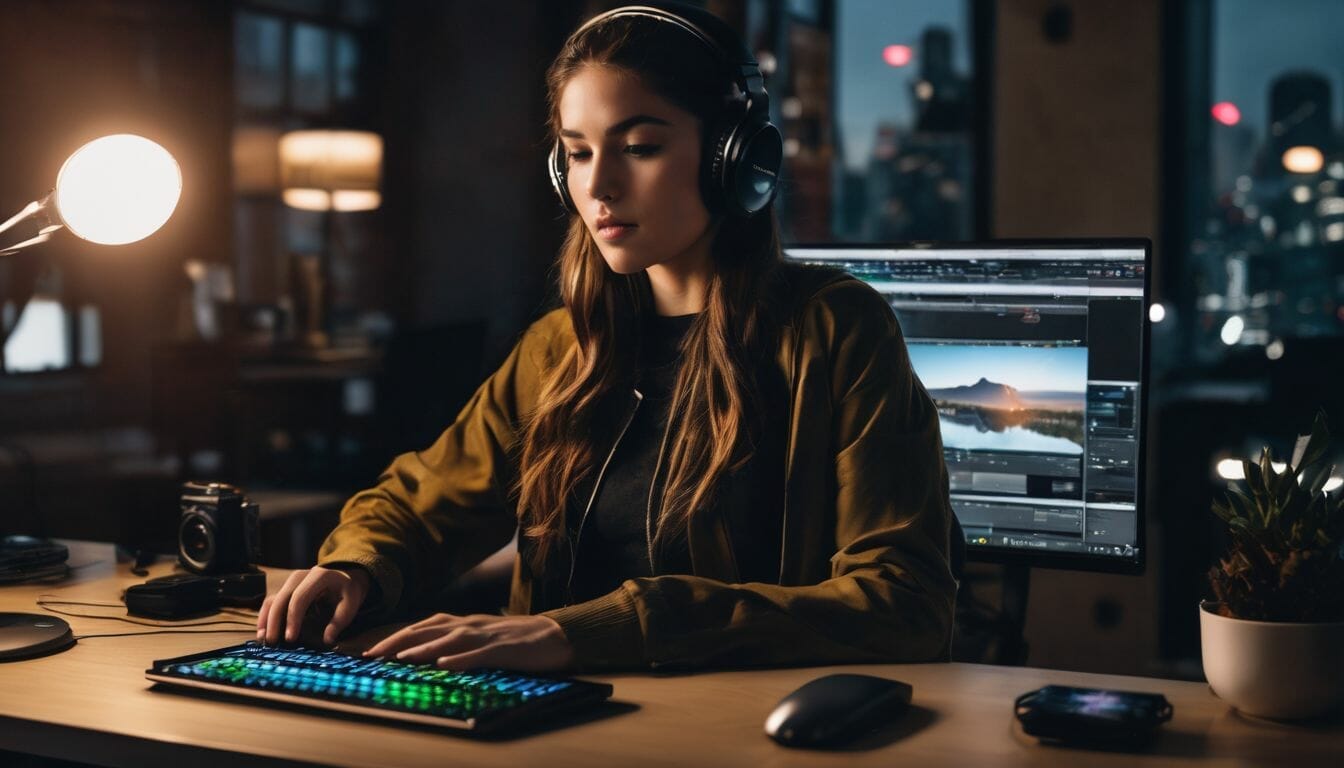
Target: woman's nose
{"points": [[603, 177]]}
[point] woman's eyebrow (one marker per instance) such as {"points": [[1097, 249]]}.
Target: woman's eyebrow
{"points": [[621, 127]]}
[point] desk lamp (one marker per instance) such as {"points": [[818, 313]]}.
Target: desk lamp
{"points": [[113, 191]]}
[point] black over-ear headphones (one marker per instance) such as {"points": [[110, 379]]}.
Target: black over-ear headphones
{"points": [[742, 156]]}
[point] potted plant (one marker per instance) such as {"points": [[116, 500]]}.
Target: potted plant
{"points": [[1273, 636]]}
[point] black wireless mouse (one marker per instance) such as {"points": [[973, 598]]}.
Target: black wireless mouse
{"points": [[831, 709]]}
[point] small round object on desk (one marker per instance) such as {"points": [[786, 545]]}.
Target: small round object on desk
{"points": [[26, 635]]}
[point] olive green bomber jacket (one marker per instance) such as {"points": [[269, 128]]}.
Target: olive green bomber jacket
{"points": [[862, 566]]}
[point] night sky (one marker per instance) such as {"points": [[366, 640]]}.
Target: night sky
{"points": [[1255, 41], [868, 91]]}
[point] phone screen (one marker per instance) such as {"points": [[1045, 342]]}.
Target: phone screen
{"points": [[1096, 702]]}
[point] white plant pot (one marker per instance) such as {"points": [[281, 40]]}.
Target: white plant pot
{"points": [[1280, 670]]}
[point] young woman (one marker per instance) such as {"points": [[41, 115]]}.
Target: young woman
{"points": [[710, 456]]}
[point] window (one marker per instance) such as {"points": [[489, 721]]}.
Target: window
{"points": [[879, 106], [41, 338], [1263, 218], [298, 65]]}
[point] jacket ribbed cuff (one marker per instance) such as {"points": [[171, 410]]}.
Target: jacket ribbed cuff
{"points": [[604, 631]]}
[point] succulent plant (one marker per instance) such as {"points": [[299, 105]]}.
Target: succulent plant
{"points": [[1285, 561]]}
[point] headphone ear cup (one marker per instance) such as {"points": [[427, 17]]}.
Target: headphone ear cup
{"points": [[555, 167], [746, 166], [711, 171]]}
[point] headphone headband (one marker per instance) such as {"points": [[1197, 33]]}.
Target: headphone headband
{"points": [[743, 155], [742, 67]]}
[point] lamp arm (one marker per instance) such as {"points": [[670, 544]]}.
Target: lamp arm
{"points": [[40, 211]]}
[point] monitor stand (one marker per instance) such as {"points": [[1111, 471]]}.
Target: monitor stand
{"points": [[26, 635], [1013, 640]]}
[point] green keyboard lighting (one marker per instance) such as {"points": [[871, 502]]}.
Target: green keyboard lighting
{"points": [[389, 684]]}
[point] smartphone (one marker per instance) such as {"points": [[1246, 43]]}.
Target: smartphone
{"points": [[1092, 715]]}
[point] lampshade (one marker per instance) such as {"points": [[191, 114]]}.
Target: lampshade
{"points": [[323, 170]]}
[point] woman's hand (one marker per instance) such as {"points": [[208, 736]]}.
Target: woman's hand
{"points": [[317, 587], [522, 643]]}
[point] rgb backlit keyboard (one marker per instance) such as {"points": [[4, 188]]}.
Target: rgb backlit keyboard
{"points": [[394, 685]]}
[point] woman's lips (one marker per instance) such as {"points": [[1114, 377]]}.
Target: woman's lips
{"points": [[613, 232]]}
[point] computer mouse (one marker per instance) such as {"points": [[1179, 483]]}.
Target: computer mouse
{"points": [[834, 708]]}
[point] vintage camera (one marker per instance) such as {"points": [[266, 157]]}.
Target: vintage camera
{"points": [[218, 530]]}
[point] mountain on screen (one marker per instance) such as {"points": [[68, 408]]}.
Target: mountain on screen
{"points": [[984, 393], [990, 394]]}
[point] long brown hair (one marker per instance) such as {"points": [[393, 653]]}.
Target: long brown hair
{"points": [[715, 416]]}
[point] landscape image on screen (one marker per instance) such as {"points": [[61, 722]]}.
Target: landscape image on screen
{"points": [[1006, 398]]}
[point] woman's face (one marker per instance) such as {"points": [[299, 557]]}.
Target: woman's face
{"points": [[633, 170]]}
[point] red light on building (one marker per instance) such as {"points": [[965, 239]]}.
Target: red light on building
{"points": [[897, 55], [1226, 113]]}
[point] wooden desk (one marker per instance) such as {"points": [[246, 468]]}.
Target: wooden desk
{"points": [[92, 703]]}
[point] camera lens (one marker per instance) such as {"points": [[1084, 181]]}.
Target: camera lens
{"points": [[196, 542]]}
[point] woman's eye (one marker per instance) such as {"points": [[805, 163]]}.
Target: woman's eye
{"points": [[579, 154], [642, 150]]}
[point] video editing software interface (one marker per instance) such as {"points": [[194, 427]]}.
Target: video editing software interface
{"points": [[1034, 358]]}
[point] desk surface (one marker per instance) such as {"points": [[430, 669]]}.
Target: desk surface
{"points": [[92, 703]]}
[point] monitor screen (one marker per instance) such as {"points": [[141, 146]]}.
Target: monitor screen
{"points": [[1035, 356]]}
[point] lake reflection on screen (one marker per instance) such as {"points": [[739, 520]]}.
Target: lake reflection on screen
{"points": [[967, 437]]}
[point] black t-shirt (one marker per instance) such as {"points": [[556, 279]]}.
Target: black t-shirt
{"points": [[613, 544]]}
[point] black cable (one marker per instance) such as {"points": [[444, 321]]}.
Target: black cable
{"points": [[164, 632], [46, 606], [41, 599]]}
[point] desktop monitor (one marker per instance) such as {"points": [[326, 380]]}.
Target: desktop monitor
{"points": [[1035, 354]]}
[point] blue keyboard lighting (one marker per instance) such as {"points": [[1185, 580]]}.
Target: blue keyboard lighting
{"points": [[406, 687]]}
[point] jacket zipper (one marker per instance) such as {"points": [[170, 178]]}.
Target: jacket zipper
{"points": [[788, 452], [648, 508], [578, 535]]}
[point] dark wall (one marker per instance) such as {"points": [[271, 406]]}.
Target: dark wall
{"points": [[472, 220], [1075, 144]]}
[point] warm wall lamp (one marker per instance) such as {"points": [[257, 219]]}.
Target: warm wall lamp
{"points": [[329, 170]]}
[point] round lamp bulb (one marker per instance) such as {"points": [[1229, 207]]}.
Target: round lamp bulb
{"points": [[118, 189]]}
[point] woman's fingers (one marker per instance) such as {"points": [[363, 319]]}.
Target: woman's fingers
{"points": [[523, 657], [404, 638], [440, 620], [525, 654], [308, 591], [262, 613], [534, 643], [455, 641], [341, 618], [486, 656], [392, 642], [279, 605]]}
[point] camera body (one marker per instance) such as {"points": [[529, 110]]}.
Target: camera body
{"points": [[218, 531]]}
